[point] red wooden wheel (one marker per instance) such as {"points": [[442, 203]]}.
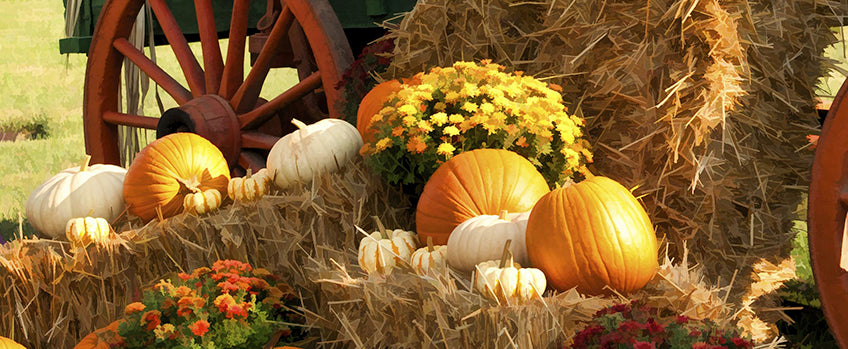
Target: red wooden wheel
{"points": [[828, 205], [219, 103]]}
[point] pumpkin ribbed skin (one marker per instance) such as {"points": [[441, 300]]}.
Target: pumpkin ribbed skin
{"points": [[93, 341], [75, 192], [158, 174], [6, 343], [475, 183], [592, 234]]}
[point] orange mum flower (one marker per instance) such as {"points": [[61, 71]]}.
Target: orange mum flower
{"points": [[199, 327], [134, 307]]}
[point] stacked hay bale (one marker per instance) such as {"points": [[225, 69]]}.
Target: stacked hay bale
{"points": [[51, 295], [703, 106]]}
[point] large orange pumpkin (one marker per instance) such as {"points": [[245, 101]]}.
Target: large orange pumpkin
{"points": [[474, 183], [6, 343], [590, 235], [95, 340], [373, 101], [168, 169]]}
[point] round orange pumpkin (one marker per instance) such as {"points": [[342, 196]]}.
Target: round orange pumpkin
{"points": [[475, 183], [95, 340], [168, 169], [373, 101], [6, 343], [590, 235]]}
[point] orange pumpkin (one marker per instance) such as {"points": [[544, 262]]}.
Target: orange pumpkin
{"points": [[95, 340], [373, 102], [168, 169], [475, 183], [590, 235], [6, 343]]}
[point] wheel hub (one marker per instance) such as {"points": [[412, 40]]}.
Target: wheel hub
{"points": [[209, 116]]}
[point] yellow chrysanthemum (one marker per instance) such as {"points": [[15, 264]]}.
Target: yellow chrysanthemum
{"points": [[408, 109], [451, 131], [445, 149], [487, 108], [456, 118], [409, 120], [383, 144], [469, 107], [425, 126], [439, 118]]}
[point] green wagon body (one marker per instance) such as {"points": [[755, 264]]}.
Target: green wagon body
{"points": [[354, 15]]}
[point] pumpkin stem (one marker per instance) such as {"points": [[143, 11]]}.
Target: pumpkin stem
{"points": [[248, 174], [507, 255], [430, 244], [300, 125], [192, 185], [84, 164], [381, 228], [503, 214]]}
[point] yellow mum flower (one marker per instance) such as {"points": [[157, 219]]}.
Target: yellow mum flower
{"points": [[445, 149], [425, 126], [383, 144], [469, 107], [452, 97], [451, 131], [409, 120], [439, 118], [456, 118], [487, 108], [408, 109], [440, 106]]}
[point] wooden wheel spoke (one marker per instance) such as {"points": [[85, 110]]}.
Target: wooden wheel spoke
{"points": [[248, 93], [213, 64], [234, 68], [258, 140], [168, 83], [188, 64], [257, 116], [251, 160], [139, 121]]}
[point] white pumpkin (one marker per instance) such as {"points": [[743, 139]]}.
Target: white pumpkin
{"points": [[95, 191], [382, 250], [84, 230], [323, 147], [481, 238], [202, 201], [250, 187], [429, 259], [507, 282]]}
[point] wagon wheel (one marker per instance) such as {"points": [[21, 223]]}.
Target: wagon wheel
{"points": [[219, 103], [828, 206]]}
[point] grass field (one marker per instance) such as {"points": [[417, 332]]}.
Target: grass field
{"points": [[39, 83]]}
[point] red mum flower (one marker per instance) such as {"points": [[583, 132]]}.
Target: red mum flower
{"points": [[643, 345], [151, 318]]}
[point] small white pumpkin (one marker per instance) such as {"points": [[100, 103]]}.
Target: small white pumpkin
{"points": [[202, 202], [323, 147], [429, 259], [95, 190], [250, 187], [83, 231], [507, 282], [481, 238], [382, 250]]}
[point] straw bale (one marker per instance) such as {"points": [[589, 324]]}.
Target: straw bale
{"points": [[52, 294], [701, 105]]}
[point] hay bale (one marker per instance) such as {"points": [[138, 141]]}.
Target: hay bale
{"points": [[51, 295], [702, 105]]}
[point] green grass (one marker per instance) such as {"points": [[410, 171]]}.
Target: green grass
{"points": [[39, 84]]}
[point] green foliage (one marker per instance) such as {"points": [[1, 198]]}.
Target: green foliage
{"points": [[231, 305]]}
